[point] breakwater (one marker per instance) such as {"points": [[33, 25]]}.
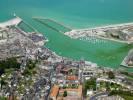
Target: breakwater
{"points": [[53, 24]]}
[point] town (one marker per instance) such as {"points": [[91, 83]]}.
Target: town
{"points": [[30, 71]]}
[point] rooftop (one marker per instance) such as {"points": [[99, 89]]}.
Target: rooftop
{"points": [[72, 77], [54, 91]]}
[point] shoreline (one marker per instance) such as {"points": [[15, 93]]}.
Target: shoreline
{"points": [[105, 26], [12, 22], [100, 32]]}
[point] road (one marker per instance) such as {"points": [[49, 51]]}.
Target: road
{"points": [[97, 95]]}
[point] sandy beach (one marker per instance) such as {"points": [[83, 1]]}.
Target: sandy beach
{"points": [[14, 21]]}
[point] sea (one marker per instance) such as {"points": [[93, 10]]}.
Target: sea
{"points": [[75, 14]]}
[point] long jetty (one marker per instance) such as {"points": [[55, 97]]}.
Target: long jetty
{"points": [[52, 20], [30, 26], [26, 23], [42, 22], [59, 24]]}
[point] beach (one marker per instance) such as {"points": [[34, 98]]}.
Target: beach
{"points": [[14, 21]]}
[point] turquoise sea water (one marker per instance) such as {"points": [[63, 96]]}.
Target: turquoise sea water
{"points": [[76, 14]]}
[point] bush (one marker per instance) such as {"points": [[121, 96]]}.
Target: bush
{"points": [[31, 64], [64, 87], [116, 92], [111, 75], [65, 94], [3, 98]]}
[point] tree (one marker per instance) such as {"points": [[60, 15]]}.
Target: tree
{"points": [[8, 63], [31, 64], [107, 86], [2, 82], [3, 98], [111, 75], [27, 72], [65, 94], [90, 84]]}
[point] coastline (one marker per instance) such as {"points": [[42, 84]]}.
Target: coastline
{"points": [[107, 26], [99, 32], [15, 21]]}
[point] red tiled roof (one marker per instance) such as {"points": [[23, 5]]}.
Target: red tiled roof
{"points": [[54, 91], [73, 77]]}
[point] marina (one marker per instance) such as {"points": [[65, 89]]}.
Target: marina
{"points": [[94, 43]]}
